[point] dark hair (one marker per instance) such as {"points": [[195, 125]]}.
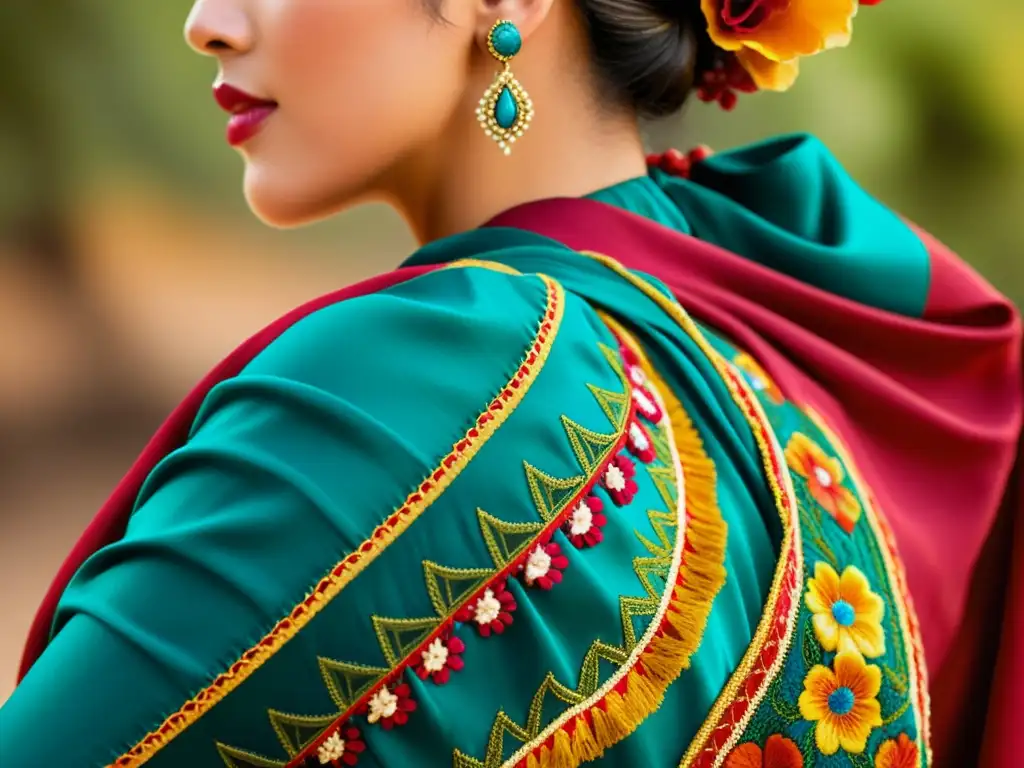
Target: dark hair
{"points": [[646, 51]]}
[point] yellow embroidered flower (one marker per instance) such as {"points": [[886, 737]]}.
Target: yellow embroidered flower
{"points": [[897, 753], [847, 614], [758, 377], [824, 476], [769, 36], [843, 701]]}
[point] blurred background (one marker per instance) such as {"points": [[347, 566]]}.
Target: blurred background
{"points": [[129, 263]]}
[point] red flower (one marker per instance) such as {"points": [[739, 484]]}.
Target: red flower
{"points": [[640, 443], [749, 14], [342, 747], [390, 707], [544, 565], [779, 752], [618, 480], [585, 523], [440, 658], [491, 612], [646, 404]]}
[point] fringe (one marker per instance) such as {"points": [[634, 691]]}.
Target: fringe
{"points": [[702, 574]]}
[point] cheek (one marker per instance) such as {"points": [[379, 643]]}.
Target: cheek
{"points": [[360, 83]]}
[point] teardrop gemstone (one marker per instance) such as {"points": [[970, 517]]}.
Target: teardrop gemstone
{"points": [[506, 110]]}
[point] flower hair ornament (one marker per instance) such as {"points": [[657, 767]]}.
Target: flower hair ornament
{"points": [[759, 43]]}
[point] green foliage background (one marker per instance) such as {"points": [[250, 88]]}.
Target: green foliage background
{"points": [[926, 108]]}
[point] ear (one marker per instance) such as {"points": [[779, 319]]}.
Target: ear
{"points": [[527, 15]]}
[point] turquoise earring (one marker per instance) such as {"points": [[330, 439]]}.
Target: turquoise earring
{"points": [[505, 111]]}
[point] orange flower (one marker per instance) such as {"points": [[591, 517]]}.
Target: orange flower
{"points": [[897, 753], [779, 752], [769, 36], [843, 702], [758, 377], [824, 476]]}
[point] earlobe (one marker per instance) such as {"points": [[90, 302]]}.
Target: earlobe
{"points": [[527, 15]]}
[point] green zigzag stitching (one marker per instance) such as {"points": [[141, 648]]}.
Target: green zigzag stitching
{"points": [[450, 586], [614, 404], [296, 731], [347, 682], [550, 494], [498, 534], [237, 758], [590, 447], [394, 635]]}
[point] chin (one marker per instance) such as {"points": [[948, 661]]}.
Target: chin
{"points": [[287, 203]]}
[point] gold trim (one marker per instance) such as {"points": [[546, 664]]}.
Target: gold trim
{"points": [[428, 491]]}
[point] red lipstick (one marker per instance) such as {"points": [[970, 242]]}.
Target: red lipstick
{"points": [[248, 112]]}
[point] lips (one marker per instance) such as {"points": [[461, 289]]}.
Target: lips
{"points": [[248, 112]]}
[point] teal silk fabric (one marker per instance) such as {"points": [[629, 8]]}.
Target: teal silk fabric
{"points": [[291, 464]]}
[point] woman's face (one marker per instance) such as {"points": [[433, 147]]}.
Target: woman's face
{"points": [[329, 96]]}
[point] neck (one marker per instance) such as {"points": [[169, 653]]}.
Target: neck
{"points": [[570, 150]]}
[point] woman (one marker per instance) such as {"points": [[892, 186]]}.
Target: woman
{"points": [[626, 465]]}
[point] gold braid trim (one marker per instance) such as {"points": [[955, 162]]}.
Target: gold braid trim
{"points": [[331, 585], [638, 689]]}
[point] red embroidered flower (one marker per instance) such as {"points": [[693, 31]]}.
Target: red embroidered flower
{"points": [[439, 659], [618, 480], [778, 752], [629, 356], [898, 753], [544, 565], [646, 404], [585, 523], [639, 443], [491, 612], [342, 747], [390, 707]]}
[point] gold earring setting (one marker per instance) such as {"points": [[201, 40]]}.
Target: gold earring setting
{"points": [[505, 111]]}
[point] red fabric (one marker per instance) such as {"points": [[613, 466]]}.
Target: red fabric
{"points": [[111, 521], [931, 409]]}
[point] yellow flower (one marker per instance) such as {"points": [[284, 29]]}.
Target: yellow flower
{"points": [[843, 703], [769, 36], [897, 753], [847, 614], [824, 476]]}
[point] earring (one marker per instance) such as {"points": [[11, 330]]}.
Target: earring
{"points": [[505, 111]]}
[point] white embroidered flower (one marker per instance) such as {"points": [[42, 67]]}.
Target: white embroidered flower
{"points": [[824, 478], [436, 656], [537, 564], [636, 434], [643, 402], [383, 705], [636, 374], [487, 608], [582, 519], [332, 749], [614, 479]]}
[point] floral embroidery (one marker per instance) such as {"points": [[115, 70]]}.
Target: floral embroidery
{"points": [[824, 476], [618, 480], [646, 404], [584, 526], [492, 611], [758, 378], [390, 707], [778, 752], [847, 614], [544, 565], [439, 659], [843, 701], [342, 747], [897, 753], [640, 444]]}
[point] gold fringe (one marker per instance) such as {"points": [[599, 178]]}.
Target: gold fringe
{"points": [[700, 579]]}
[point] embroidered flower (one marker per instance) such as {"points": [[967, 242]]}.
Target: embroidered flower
{"points": [[439, 659], [897, 753], [390, 707], [778, 752], [544, 565], [843, 702], [639, 443], [758, 377], [618, 480], [847, 614], [768, 37], [491, 612], [636, 375], [646, 404], [585, 523], [342, 747], [824, 476]]}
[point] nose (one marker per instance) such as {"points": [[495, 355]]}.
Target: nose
{"points": [[218, 27]]}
